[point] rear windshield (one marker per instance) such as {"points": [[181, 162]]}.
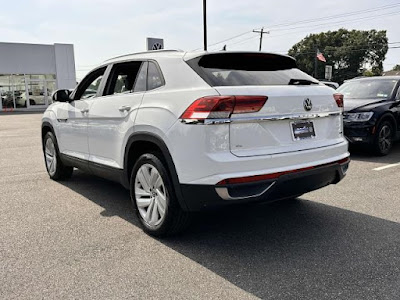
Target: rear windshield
{"points": [[235, 69], [368, 89]]}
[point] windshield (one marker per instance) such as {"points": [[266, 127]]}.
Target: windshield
{"points": [[368, 89], [236, 69]]}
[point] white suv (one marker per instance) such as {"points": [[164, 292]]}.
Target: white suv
{"points": [[188, 131]]}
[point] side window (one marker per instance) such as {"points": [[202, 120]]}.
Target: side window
{"points": [[154, 77], [140, 84], [122, 78], [90, 84]]}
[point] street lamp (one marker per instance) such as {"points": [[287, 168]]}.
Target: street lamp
{"points": [[205, 23]]}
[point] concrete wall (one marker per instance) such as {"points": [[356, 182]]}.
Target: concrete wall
{"points": [[58, 59], [65, 66], [27, 59]]}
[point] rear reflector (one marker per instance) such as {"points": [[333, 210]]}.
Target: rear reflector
{"points": [[339, 99], [278, 174], [221, 107]]}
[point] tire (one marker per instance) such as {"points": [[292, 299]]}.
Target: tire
{"points": [[54, 166], [383, 140], [154, 198]]}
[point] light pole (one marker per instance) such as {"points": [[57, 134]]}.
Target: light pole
{"points": [[205, 23]]}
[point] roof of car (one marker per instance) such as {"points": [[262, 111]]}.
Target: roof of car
{"points": [[146, 55], [174, 53], [376, 78]]}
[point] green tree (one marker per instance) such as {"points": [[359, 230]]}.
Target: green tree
{"points": [[349, 52], [368, 73], [396, 68]]}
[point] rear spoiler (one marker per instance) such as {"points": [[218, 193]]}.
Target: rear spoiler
{"points": [[250, 61]]}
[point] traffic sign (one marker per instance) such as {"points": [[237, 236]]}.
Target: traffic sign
{"points": [[328, 72]]}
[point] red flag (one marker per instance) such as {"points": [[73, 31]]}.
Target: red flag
{"points": [[320, 56]]}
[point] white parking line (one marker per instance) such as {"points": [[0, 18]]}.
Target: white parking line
{"points": [[386, 167]]}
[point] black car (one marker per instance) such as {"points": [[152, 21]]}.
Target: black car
{"points": [[372, 112]]}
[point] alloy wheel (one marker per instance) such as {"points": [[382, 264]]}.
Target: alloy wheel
{"points": [[385, 138], [151, 195], [51, 157]]}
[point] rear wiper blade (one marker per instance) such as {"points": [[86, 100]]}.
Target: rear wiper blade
{"points": [[301, 82]]}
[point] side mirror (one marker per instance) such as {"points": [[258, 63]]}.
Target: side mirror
{"points": [[61, 95]]}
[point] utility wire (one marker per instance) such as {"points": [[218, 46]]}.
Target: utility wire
{"points": [[358, 12], [228, 39], [340, 22], [318, 26], [241, 41], [313, 20]]}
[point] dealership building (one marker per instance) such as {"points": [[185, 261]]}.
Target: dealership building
{"points": [[30, 73]]}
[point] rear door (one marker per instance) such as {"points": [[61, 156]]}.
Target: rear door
{"points": [[299, 114], [113, 114]]}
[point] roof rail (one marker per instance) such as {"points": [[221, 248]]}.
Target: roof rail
{"points": [[144, 52]]}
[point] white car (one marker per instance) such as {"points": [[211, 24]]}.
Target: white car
{"points": [[187, 131]]}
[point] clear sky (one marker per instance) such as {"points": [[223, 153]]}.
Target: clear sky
{"points": [[101, 29]]}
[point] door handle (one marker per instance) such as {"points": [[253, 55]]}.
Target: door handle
{"points": [[85, 110], [124, 108]]}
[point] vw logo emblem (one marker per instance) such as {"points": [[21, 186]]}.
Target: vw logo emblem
{"points": [[157, 46], [307, 104]]}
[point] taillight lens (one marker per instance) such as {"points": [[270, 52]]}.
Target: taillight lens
{"points": [[221, 107], [339, 99]]}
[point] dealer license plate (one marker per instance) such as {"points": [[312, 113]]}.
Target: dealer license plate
{"points": [[303, 130]]}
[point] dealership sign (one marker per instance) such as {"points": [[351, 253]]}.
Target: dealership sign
{"points": [[155, 44]]}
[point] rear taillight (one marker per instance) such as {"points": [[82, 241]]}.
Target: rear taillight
{"points": [[339, 99], [221, 107]]}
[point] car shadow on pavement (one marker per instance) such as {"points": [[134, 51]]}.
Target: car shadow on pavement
{"points": [[111, 196], [295, 249], [363, 154]]}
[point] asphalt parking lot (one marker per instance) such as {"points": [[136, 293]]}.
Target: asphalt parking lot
{"points": [[80, 240]]}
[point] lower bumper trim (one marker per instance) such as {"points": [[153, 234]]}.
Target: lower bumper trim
{"points": [[200, 197], [223, 192]]}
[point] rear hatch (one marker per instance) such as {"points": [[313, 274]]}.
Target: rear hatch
{"points": [[299, 114]]}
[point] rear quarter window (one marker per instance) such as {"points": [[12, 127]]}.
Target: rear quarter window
{"points": [[236, 69], [154, 77]]}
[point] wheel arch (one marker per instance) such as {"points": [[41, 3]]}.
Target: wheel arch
{"points": [[140, 142], [388, 117], [47, 127]]}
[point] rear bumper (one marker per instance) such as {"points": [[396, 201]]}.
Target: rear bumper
{"points": [[200, 197]]}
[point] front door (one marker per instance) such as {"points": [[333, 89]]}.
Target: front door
{"points": [[73, 117], [111, 116]]}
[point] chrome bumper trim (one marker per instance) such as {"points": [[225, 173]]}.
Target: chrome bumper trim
{"points": [[260, 119], [224, 194]]}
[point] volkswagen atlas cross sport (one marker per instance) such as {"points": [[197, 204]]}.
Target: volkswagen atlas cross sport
{"points": [[190, 131], [372, 112]]}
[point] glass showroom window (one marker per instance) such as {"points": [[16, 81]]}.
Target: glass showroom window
{"points": [[19, 88], [40, 88], [25, 91], [6, 91]]}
